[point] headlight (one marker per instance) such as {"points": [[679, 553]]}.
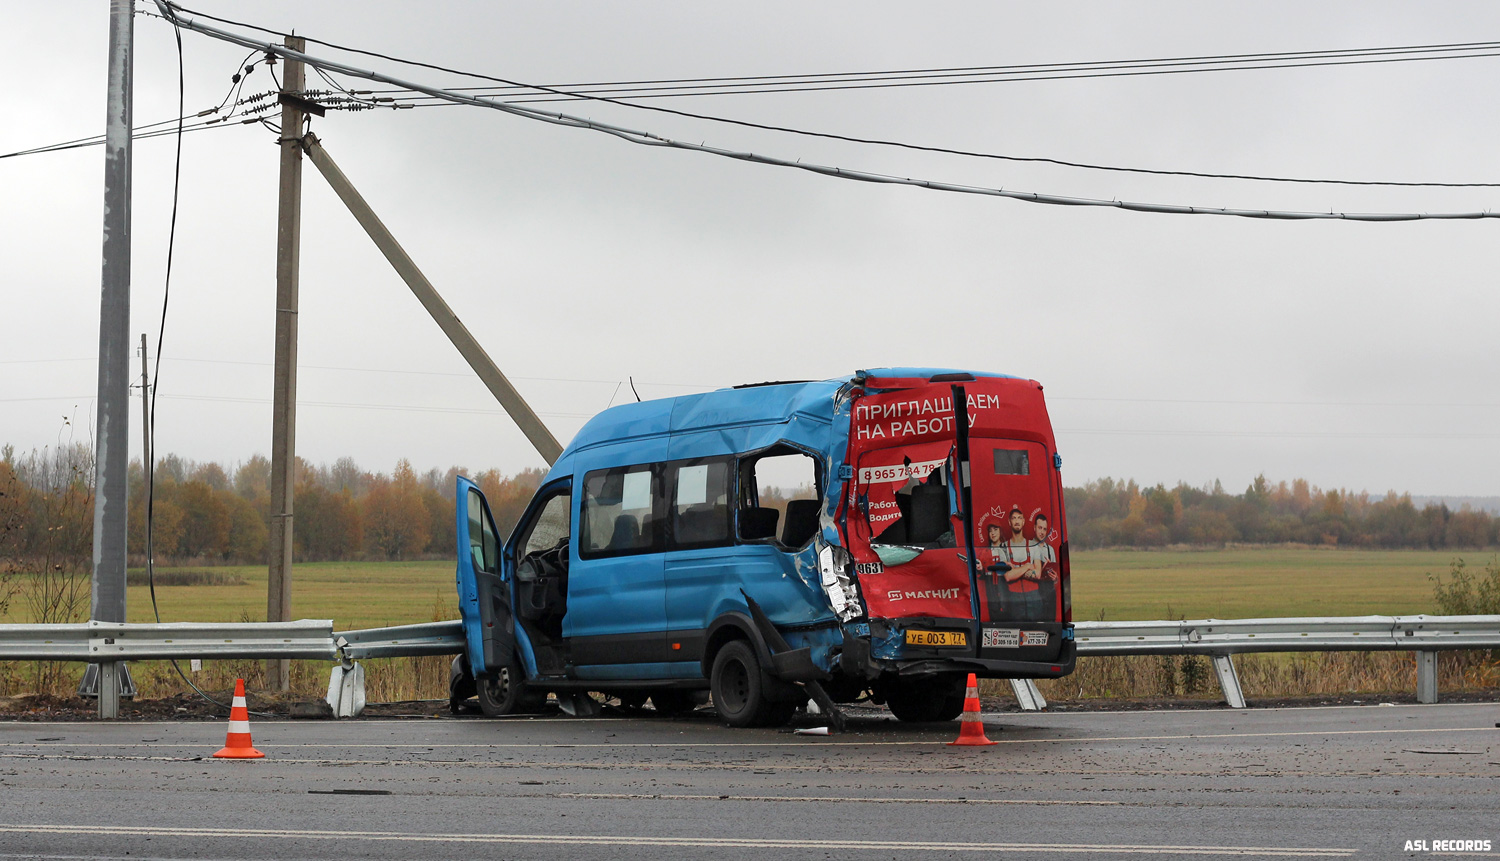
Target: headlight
{"points": [[833, 571]]}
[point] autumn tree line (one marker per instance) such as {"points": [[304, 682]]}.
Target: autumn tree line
{"points": [[1117, 513], [206, 512]]}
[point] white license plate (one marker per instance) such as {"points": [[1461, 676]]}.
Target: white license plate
{"points": [[1010, 638], [1000, 638]]}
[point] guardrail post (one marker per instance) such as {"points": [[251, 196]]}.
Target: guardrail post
{"points": [[1427, 685], [109, 691], [1229, 681], [1027, 695], [346, 689]]}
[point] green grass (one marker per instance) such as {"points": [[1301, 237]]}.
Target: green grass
{"points": [[1120, 584], [352, 594], [1245, 583]]}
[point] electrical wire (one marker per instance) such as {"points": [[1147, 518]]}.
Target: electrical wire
{"points": [[646, 138], [150, 396], [602, 92], [151, 130], [1350, 56], [757, 83], [1022, 159]]}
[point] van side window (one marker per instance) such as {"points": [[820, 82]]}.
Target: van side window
{"points": [[620, 511], [700, 503], [779, 497]]}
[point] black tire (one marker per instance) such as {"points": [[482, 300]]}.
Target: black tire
{"points": [[926, 701], [504, 692], [674, 703], [739, 691], [460, 685]]}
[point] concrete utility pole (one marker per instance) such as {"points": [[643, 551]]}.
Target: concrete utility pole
{"points": [[530, 423], [284, 394], [146, 450], [112, 434]]}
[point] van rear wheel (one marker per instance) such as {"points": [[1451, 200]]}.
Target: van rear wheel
{"points": [[928, 700], [739, 690]]}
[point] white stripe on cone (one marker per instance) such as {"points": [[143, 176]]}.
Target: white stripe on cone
{"points": [[239, 726]]}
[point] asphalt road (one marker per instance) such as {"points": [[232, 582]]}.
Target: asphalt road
{"points": [[1284, 783]]}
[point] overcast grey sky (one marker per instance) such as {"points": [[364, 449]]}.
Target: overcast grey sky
{"points": [[1171, 347]]}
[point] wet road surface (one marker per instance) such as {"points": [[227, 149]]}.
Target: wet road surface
{"points": [[1287, 783]]}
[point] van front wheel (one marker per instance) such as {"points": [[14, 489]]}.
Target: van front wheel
{"points": [[504, 692], [738, 691]]}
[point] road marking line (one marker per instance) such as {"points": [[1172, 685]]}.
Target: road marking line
{"points": [[827, 741], [629, 796], [842, 846], [916, 768]]}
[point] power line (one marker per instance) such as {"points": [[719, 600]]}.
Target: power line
{"points": [[1278, 434], [614, 93], [754, 83], [645, 138], [360, 406], [97, 140], [1061, 431], [1005, 157], [1405, 404], [255, 103], [1258, 403], [1090, 69]]}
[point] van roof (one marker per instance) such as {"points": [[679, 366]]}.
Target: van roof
{"points": [[756, 405]]}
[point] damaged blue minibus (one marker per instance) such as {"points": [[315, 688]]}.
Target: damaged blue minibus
{"points": [[879, 535]]}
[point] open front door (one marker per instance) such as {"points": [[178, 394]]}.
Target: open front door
{"points": [[484, 593]]}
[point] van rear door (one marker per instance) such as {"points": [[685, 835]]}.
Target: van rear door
{"points": [[901, 513], [1015, 518]]}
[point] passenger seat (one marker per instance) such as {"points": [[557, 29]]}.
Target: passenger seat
{"points": [[801, 522]]}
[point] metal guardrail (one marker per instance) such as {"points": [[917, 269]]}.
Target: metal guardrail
{"points": [[1313, 634], [109, 642], [1218, 639], [427, 638]]}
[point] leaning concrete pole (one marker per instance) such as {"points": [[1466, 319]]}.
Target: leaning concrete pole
{"points": [[284, 386], [520, 412], [112, 435]]}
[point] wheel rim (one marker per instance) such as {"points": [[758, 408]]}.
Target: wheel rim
{"points": [[736, 686], [498, 687]]}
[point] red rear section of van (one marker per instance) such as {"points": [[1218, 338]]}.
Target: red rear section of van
{"points": [[903, 513]]}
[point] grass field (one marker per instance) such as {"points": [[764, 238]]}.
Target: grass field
{"points": [[1112, 584], [1247, 583], [352, 594], [1108, 584]]}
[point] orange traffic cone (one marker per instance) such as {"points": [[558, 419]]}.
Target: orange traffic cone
{"points": [[237, 743], [971, 730]]}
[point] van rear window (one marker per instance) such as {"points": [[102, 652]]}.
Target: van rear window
{"points": [[700, 504], [1012, 462]]}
